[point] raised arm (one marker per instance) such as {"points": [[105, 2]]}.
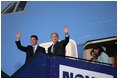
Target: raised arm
{"points": [[18, 43], [66, 30]]}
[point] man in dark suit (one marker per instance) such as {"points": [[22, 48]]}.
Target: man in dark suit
{"points": [[30, 50], [58, 48]]}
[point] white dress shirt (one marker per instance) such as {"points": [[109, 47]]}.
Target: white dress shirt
{"points": [[35, 47]]}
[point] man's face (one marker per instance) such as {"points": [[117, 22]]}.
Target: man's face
{"points": [[33, 41], [54, 38]]}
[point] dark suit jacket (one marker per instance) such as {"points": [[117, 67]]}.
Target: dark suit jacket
{"points": [[29, 50], [59, 47]]}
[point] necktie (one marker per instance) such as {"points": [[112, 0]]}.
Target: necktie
{"points": [[52, 49], [34, 49]]}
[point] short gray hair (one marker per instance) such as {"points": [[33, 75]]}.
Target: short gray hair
{"points": [[55, 34]]}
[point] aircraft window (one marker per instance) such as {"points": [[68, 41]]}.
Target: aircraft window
{"points": [[10, 9], [21, 6], [108, 44]]}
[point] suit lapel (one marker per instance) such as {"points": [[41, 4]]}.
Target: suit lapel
{"points": [[31, 49], [49, 49], [37, 49], [56, 47]]}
